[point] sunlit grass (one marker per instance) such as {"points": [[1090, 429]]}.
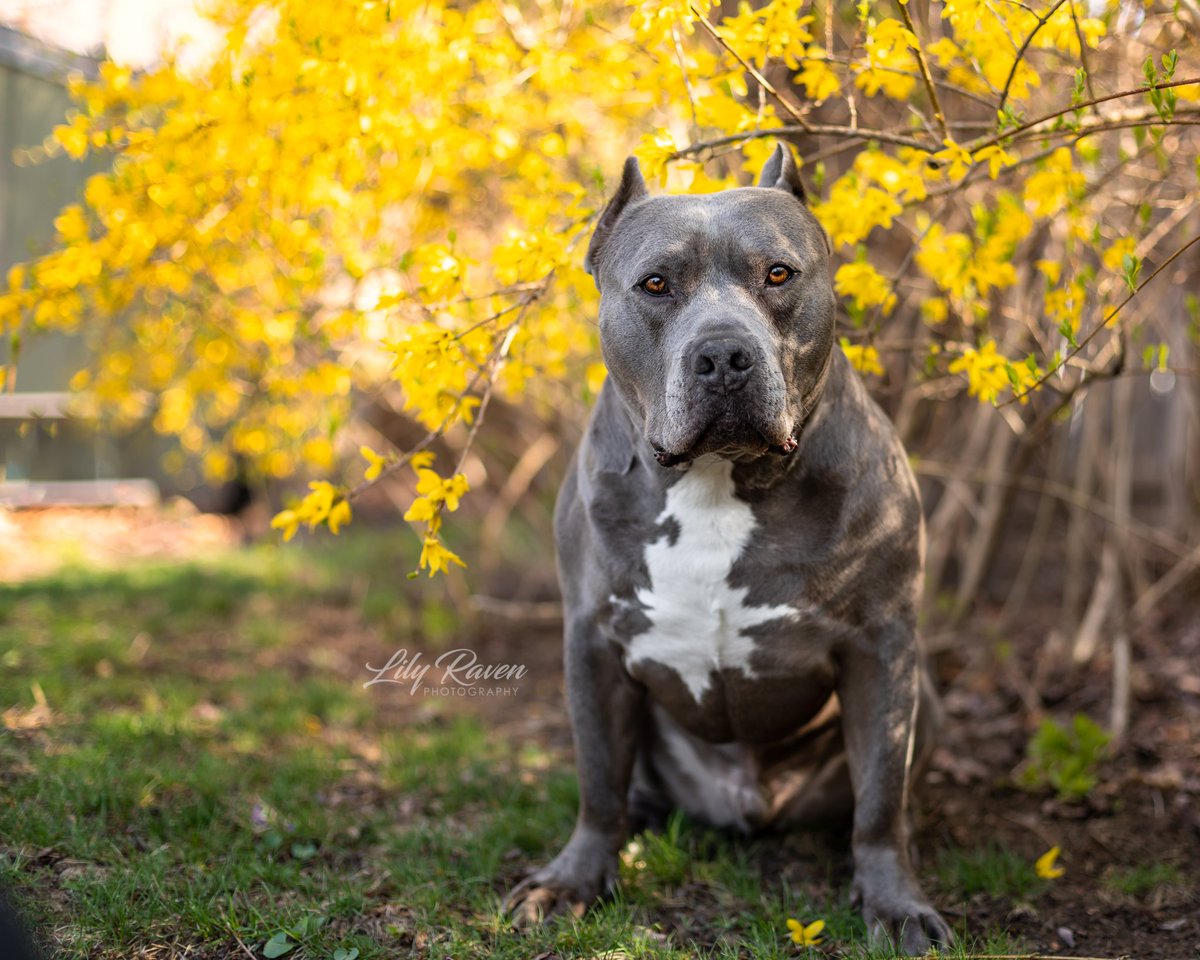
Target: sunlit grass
{"points": [[190, 765]]}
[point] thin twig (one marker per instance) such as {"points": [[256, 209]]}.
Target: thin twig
{"points": [[1000, 137], [687, 80], [1083, 55], [817, 129], [1164, 585], [1078, 348], [938, 115], [1057, 491], [1021, 53], [487, 367], [751, 69]]}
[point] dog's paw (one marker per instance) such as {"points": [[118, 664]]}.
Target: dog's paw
{"points": [[555, 891], [913, 927]]}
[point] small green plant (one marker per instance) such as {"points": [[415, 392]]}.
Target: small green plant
{"points": [[284, 941], [1065, 758], [993, 870], [1143, 879]]}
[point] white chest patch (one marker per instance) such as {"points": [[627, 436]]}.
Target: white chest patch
{"points": [[697, 618]]}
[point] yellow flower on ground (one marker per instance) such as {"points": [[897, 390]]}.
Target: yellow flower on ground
{"points": [[806, 936], [1046, 865]]}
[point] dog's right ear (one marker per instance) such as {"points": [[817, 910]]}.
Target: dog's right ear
{"points": [[780, 172], [632, 189]]}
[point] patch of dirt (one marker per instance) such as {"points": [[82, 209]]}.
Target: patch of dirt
{"points": [[1144, 811], [37, 542]]}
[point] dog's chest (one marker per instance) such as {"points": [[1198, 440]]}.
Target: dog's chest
{"points": [[698, 621]]}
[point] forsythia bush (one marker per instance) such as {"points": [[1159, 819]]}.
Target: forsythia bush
{"points": [[356, 192]]}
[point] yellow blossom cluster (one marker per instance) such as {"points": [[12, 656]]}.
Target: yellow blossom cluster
{"points": [[393, 191], [435, 494]]}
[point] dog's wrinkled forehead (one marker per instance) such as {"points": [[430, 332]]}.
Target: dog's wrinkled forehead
{"points": [[732, 228], [720, 233]]}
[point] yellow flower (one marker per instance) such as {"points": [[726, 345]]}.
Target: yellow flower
{"points": [[288, 521], [864, 359], [339, 515], [421, 510], [996, 158], [818, 79], [958, 157], [1045, 866], [806, 936], [986, 371], [1114, 256], [1050, 269], [890, 64], [436, 557], [437, 490], [1055, 186], [866, 285], [375, 461], [654, 152]]}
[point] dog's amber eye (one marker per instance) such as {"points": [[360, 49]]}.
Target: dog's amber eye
{"points": [[778, 274], [656, 286]]}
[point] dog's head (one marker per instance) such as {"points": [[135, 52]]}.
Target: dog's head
{"points": [[716, 312]]}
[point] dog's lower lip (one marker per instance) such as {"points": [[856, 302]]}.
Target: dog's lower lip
{"points": [[667, 459]]}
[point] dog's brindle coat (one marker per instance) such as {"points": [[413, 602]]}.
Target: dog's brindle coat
{"points": [[740, 546]]}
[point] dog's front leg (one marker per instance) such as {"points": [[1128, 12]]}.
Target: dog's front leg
{"points": [[878, 689], [605, 707]]}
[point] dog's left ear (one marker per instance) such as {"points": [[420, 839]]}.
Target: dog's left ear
{"points": [[631, 190], [781, 173]]}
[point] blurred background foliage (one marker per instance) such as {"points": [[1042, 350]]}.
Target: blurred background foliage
{"points": [[351, 234]]}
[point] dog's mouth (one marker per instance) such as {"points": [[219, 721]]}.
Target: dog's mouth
{"points": [[728, 440]]}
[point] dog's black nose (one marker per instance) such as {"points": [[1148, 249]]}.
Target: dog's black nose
{"points": [[722, 363]]}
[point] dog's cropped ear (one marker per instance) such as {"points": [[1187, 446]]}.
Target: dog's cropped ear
{"points": [[632, 189], [781, 173]]}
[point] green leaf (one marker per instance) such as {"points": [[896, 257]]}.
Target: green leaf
{"points": [[307, 926], [1130, 267], [819, 174], [277, 946], [341, 953], [1068, 334], [1168, 61], [304, 851], [1080, 81]]}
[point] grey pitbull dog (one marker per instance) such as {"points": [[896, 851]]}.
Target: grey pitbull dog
{"points": [[740, 546]]}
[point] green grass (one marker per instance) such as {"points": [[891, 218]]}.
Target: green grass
{"points": [[211, 774], [993, 870], [1144, 879]]}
